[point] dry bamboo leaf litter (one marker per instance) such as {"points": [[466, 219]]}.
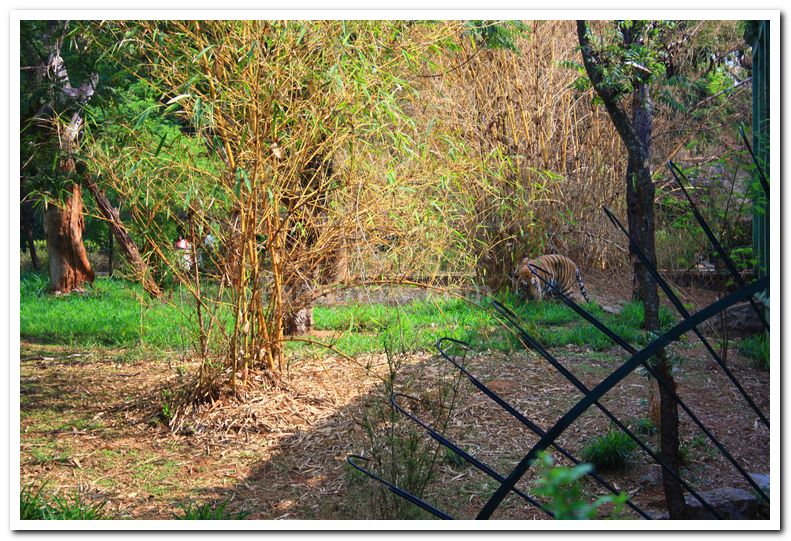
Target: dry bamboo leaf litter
{"points": [[287, 443]]}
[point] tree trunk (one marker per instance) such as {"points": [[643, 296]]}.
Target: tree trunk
{"points": [[26, 212], [297, 318], [636, 135], [127, 244], [110, 251], [669, 440], [69, 267], [640, 204]]}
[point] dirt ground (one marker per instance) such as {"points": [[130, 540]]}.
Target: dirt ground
{"points": [[92, 421]]}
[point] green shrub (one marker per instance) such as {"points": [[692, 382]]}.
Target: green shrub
{"points": [[612, 451], [208, 512], [645, 426], [684, 455], [454, 459], [561, 486], [33, 506], [396, 447], [756, 348]]}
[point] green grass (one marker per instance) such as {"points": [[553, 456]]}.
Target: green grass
{"points": [[34, 506], [50, 452], [208, 512], [612, 451], [368, 327], [632, 316], [117, 313], [157, 475], [756, 348], [111, 313]]}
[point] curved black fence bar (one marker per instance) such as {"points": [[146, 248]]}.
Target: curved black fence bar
{"points": [[397, 490], [478, 464], [613, 379], [527, 422], [533, 343], [678, 174], [685, 314], [632, 351], [591, 396]]}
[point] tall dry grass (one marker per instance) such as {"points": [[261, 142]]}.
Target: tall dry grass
{"points": [[540, 158], [525, 160]]}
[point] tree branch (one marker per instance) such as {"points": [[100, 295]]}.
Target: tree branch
{"points": [[608, 94]]}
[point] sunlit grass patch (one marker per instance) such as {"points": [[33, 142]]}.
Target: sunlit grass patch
{"points": [[117, 313], [111, 313]]}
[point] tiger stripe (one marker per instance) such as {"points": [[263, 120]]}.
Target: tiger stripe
{"points": [[555, 270]]}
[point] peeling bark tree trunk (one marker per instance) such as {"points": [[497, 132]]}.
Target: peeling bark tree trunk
{"points": [[63, 222], [636, 135], [128, 246], [69, 268]]}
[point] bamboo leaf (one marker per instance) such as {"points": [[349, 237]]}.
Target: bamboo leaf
{"points": [[161, 143], [203, 52], [143, 116], [177, 99]]}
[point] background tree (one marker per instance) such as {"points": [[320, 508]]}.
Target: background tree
{"points": [[54, 117], [518, 161], [700, 103], [27, 218], [619, 70], [52, 120]]}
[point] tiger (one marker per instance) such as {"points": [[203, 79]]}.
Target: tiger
{"points": [[557, 270]]}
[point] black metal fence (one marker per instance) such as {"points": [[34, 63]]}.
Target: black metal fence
{"points": [[507, 483]]}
